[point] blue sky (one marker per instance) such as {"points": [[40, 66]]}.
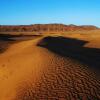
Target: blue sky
{"points": [[79, 12]]}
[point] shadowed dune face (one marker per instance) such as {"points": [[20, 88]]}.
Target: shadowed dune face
{"points": [[6, 40], [74, 48], [61, 44]]}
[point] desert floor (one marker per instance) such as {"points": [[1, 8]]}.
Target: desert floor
{"points": [[50, 67]]}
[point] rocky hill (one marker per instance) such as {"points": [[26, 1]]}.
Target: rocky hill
{"points": [[45, 28]]}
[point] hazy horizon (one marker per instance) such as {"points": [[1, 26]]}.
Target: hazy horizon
{"points": [[24, 12]]}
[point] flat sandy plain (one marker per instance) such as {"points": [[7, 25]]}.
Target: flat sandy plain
{"points": [[50, 67]]}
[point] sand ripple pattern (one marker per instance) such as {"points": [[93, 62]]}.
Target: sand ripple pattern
{"points": [[62, 79]]}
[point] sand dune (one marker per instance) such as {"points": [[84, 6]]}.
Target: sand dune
{"points": [[49, 68]]}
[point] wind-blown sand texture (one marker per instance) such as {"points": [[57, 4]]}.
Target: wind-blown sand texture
{"points": [[50, 68]]}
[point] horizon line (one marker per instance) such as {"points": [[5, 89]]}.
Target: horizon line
{"points": [[48, 24]]}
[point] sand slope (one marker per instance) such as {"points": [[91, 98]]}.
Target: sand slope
{"points": [[31, 72]]}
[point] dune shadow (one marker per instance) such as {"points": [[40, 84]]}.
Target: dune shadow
{"points": [[69, 47], [7, 39]]}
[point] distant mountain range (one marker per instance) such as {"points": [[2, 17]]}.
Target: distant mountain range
{"points": [[45, 28]]}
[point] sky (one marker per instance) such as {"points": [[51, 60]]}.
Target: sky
{"points": [[25, 12]]}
